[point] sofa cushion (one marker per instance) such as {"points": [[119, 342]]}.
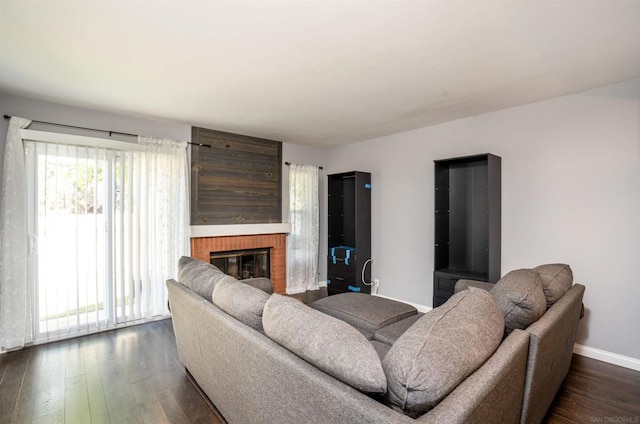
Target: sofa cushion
{"points": [[262, 283], [463, 284], [381, 348], [241, 301], [520, 296], [363, 311], [441, 349], [557, 279], [324, 341], [199, 276], [391, 333]]}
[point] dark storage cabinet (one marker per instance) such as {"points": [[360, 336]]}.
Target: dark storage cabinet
{"points": [[467, 222], [349, 232]]}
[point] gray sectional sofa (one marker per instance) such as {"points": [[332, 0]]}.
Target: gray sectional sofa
{"points": [[263, 358], [549, 290]]}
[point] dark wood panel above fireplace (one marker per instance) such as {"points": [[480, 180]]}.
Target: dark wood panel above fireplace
{"points": [[236, 181]]}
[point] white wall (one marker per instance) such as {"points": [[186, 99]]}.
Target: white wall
{"points": [[24, 107], [570, 193], [70, 115]]}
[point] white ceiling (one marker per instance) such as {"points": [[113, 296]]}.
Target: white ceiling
{"points": [[322, 73]]}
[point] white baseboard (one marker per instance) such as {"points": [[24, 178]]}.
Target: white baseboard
{"points": [[419, 307], [610, 357]]}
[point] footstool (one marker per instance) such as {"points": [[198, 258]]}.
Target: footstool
{"points": [[365, 312]]}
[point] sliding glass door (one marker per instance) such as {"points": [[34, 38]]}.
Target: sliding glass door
{"points": [[83, 205]]}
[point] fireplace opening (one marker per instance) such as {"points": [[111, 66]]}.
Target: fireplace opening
{"points": [[242, 264]]}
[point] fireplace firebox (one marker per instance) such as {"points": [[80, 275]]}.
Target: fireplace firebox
{"points": [[242, 264]]}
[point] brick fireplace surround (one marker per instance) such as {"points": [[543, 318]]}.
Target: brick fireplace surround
{"points": [[201, 248]]}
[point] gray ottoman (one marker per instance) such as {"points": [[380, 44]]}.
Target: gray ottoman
{"points": [[363, 311]]}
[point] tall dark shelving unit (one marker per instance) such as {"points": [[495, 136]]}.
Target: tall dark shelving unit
{"points": [[349, 232], [467, 222]]}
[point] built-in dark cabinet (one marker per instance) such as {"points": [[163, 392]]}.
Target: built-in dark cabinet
{"points": [[467, 222], [349, 232]]}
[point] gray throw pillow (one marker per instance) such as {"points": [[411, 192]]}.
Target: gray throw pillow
{"points": [[520, 296], [331, 345], [441, 349], [241, 301], [557, 279], [199, 276]]}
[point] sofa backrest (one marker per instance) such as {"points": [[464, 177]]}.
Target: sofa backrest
{"points": [[241, 301], [552, 337], [252, 379], [202, 277], [199, 276]]}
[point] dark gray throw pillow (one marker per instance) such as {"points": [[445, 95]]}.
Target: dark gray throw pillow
{"points": [[441, 349], [520, 296], [241, 301], [557, 279], [329, 344], [199, 276]]}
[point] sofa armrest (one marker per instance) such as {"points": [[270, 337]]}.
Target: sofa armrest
{"points": [[550, 352], [465, 284]]}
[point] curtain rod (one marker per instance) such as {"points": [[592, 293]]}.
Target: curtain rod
{"points": [[289, 163], [95, 129]]}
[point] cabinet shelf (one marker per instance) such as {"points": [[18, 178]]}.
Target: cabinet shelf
{"points": [[349, 231], [467, 222]]}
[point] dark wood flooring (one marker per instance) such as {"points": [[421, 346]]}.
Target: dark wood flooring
{"points": [[133, 375], [311, 296], [130, 375], [597, 392]]}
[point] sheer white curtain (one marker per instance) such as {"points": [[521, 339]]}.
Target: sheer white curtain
{"points": [[15, 296], [106, 221], [67, 200], [110, 219], [164, 218], [302, 242]]}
